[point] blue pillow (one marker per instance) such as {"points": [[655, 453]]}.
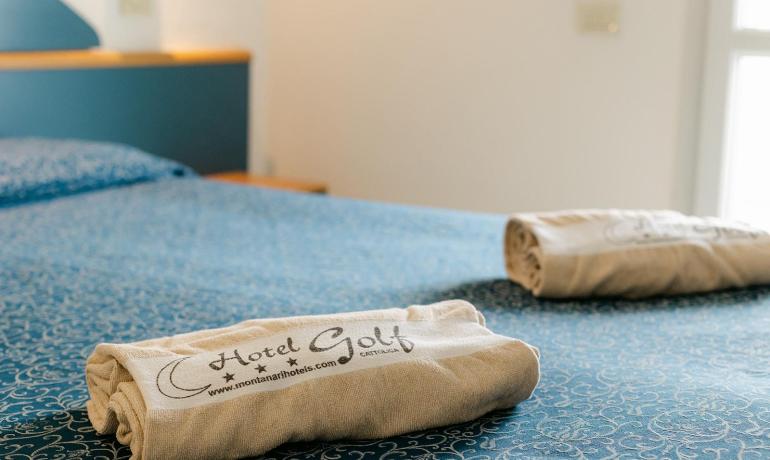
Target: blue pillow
{"points": [[32, 168]]}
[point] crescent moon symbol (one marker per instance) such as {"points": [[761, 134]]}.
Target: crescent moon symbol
{"points": [[167, 387]]}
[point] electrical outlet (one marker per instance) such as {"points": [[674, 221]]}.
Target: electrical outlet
{"points": [[135, 7], [598, 16]]}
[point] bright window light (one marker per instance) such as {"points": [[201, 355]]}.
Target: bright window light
{"points": [[746, 192], [752, 14]]}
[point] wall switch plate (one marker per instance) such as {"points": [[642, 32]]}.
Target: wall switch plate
{"points": [[135, 7], [598, 16]]}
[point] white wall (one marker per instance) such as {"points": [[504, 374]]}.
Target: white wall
{"points": [[495, 105], [118, 30]]}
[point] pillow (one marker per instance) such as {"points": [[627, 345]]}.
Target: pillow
{"points": [[33, 168]]}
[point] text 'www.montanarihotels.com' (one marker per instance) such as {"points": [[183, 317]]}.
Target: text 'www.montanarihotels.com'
{"points": [[272, 377]]}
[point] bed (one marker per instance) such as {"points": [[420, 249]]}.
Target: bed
{"points": [[122, 260]]}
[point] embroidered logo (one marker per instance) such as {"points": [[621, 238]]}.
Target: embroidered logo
{"points": [[296, 355]]}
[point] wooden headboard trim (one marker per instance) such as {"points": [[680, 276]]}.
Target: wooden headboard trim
{"points": [[80, 59]]}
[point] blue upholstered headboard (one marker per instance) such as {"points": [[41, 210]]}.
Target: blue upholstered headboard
{"points": [[32, 25], [194, 113], [191, 107]]}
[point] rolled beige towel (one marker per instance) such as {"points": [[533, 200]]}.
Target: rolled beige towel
{"points": [[245, 389], [632, 253]]}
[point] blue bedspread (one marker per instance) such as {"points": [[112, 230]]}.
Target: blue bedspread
{"points": [[678, 377]]}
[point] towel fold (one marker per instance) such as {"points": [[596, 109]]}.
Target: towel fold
{"points": [[632, 253], [245, 389]]}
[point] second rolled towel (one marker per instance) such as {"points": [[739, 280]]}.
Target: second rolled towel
{"points": [[245, 389], [632, 253]]}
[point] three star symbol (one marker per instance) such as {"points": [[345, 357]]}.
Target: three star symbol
{"points": [[292, 362], [261, 368], [228, 376]]}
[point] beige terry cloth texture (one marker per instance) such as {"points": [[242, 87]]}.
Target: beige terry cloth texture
{"points": [[245, 389], [632, 253]]}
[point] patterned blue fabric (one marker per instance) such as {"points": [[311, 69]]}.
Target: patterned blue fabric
{"points": [[32, 168], [676, 377]]}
